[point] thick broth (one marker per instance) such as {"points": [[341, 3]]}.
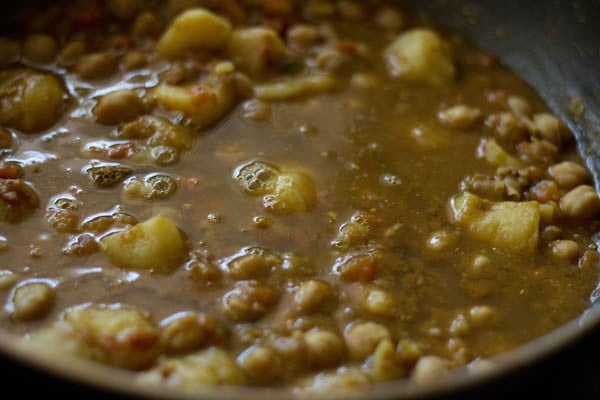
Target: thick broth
{"points": [[373, 270]]}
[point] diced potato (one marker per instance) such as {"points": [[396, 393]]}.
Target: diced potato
{"points": [[62, 339], [509, 226], [203, 103], [341, 383], [155, 244], [31, 101], [294, 191], [255, 50], [195, 29], [295, 87], [213, 366], [491, 151], [121, 337], [420, 55]]}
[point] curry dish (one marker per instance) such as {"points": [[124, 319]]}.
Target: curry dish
{"points": [[312, 195]]}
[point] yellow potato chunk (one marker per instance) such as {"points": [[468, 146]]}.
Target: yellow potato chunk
{"points": [[31, 101], [202, 103], [61, 338], [123, 337], [255, 50], [420, 55], [294, 191], [511, 227], [213, 366], [493, 153], [196, 29], [155, 244]]}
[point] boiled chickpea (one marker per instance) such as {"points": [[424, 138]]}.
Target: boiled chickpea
{"points": [[40, 48], [312, 296], [565, 250], [97, 65], [580, 203], [362, 338], [119, 106], [430, 369], [261, 363], [568, 174], [324, 348]]}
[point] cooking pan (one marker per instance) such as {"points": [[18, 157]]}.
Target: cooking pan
{"points": [[553, 45]]}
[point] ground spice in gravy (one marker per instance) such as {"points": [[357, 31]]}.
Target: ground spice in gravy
{"points": [[312, 195]]}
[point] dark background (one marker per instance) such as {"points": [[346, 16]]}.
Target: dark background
{"points": [[555, 46]]}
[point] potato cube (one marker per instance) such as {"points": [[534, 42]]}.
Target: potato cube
{"points": [[122, 337], [213, 366], [420, 55], [493, 153], [195, 29], [155, 244], [203, 103], [512, 227], [255, 50]]}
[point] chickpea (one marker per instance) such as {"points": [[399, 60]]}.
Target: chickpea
{"points": [[119, 106], [7, 279], [506, 126], [548, 127], [97, 65], [379, 302], [72, 52], [32, 301], [568, 174], [324, 348], [459, 326], [565, 250], [261, 363], [440, 240], [350, 10], [293, 350], [10, 51], [18, 200], [124, 9], [519, 106], [256, 110], [134, 60], [362, 338], [580, 203], [40, 48], [31, 101], [147, 24], [302, 36], [430, 369], [249, 301], [250, 266], [390, 19], [185, 332], [332, 60], [312, 295], [459, 117], [482, 316], [363, 81]]}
